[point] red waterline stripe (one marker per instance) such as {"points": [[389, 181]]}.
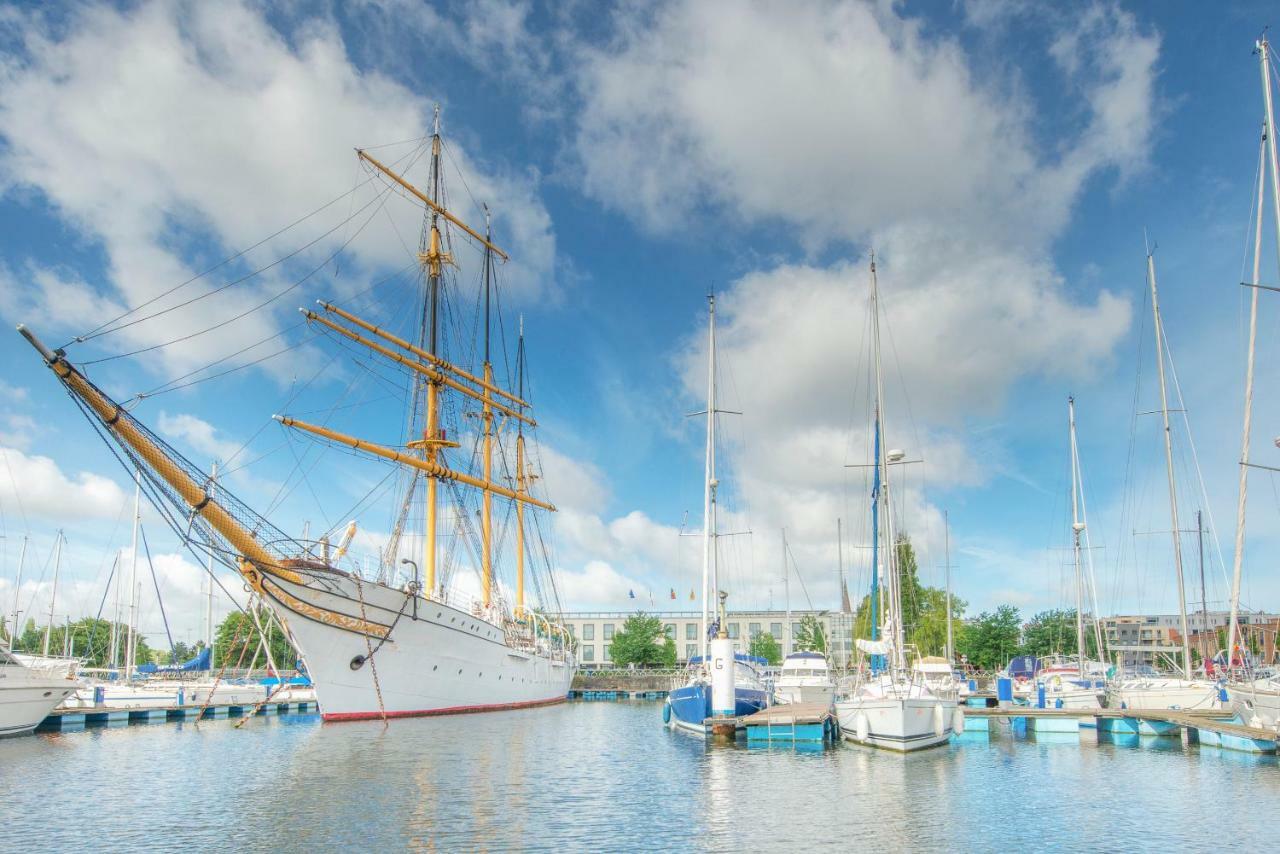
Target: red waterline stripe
{"points": [[452, 710]]}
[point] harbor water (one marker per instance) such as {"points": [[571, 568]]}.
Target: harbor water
{"points": [[602, 775]]}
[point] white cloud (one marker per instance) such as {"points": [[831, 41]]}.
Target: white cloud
{"points": [[174, 134], [840, 118], [43, 491]]}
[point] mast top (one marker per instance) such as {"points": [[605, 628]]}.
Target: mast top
{"points": [[436, 126]]}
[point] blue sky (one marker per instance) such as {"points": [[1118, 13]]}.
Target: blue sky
{"points": [[1002, 160]]}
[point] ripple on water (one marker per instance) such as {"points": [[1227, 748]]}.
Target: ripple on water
{"points": [[608, 775]]}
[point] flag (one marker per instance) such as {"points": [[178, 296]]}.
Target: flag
{"points": [[673, 593], [691, 596], [631, 594]]}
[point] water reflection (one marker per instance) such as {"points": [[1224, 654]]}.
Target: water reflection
{"points": [[610, 776]]}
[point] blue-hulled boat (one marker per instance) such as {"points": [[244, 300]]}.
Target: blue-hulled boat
{"points": [[690, 705]]}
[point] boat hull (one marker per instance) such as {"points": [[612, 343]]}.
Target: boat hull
{"points": [[821, 694], [1257, 705], [903, 725], [1163, 694], [437, 659], [691, 704], [27, 699]]}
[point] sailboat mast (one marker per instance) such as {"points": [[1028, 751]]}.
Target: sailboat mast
{"points": [[1269, 148], [433, 258], [1204, 595], [786, 586], [1168, 458], [130, 653], [486, 518], [709, 492], [893, 612], [946, 535], [115, 616], [522, 483], [208, 601], [17, 591], [1077, 528], [53, 596]]}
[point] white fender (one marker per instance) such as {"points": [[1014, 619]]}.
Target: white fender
{"points": [[939, 721], [861, 726], [957, 720]]}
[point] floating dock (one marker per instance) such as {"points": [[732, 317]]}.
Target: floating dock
{"points": [[1209, 727], [787, 723], [67, 720]]}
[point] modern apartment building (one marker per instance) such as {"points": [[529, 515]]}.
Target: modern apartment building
{"points": [[595, 629]]}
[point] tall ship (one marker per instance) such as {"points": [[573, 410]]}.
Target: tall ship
{"points": [[409, 638]]}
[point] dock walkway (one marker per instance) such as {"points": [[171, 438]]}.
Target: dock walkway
{"points": [[1213, 727]]}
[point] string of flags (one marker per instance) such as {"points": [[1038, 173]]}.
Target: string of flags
{"points": [[631, 594]]}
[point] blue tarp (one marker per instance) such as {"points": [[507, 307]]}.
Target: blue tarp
{"points": [[200, 662], [1024, 665]]}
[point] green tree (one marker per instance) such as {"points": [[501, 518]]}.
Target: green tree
{"points": [[669, 652], [236, 642], [930, 633], [924, 618], [992, 639], [765, 646], [642, 640], [90, 641], [810, 636], [1052, 632]]}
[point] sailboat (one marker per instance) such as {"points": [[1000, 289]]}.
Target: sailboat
{"points": [[890, 707], [1255, 699], [1166, 692], [1071, 682], [376, 649], [689, 704]]}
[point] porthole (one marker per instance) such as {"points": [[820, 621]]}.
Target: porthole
{"points": [[48, 693], [435, 667], [459, 671]]}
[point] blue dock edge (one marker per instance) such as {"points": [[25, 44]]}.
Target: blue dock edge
{"points": [[78, 719]]}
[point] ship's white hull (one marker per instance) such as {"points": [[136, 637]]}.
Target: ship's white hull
{"points": [[1257, 704], [27, 698], [1163, 694], [441, 661], [900, 724]]}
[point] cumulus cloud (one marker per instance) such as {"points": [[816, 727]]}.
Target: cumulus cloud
{"points": [[176, 134], [42, 490]]}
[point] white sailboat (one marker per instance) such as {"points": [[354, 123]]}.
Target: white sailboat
{"points": [[891, 707], [1166, 692], [1073, 682], [1256, 700]]}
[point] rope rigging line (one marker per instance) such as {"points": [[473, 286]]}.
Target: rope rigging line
{"points": [[297, 284], [159, 599], [103, 328]]}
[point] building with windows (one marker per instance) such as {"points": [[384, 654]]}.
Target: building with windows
{"points": [[1154, 639], [595, 629]]}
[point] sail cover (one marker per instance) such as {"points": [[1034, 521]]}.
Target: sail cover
{"points": [[873, 647]]}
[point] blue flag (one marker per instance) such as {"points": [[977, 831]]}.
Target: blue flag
{"points": [[631, 594]]}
